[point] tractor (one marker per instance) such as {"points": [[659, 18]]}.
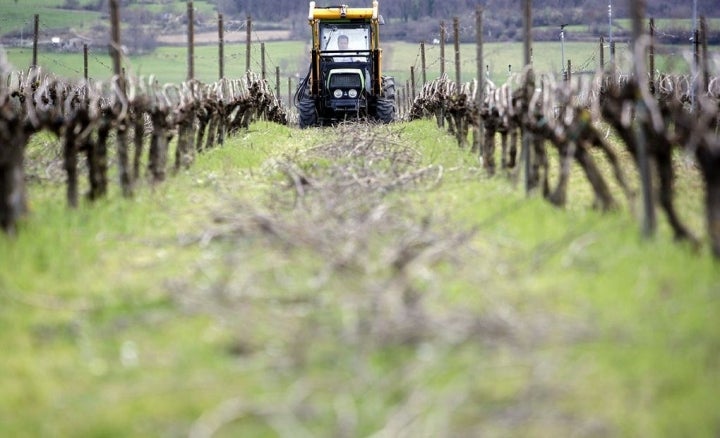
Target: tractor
{"points": [[345, 80]]}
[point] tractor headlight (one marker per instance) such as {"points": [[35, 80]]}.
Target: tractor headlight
{"points": [[337, 93], [352, 93]]}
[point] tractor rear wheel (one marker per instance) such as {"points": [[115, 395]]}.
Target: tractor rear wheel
{"points": [[307, 113], [385, 110]]}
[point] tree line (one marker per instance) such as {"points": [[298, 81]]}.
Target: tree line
{"points": [[413, 10], [567, 11], [415, 20]]}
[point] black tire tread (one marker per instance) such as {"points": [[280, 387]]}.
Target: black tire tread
{"points": [[385, 110]]}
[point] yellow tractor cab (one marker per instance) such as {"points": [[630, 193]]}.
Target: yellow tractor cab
{"points": [[345, 78]]}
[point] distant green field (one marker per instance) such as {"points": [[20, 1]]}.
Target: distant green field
{"points": [[19, 15], [180, 6], [670, 23], [625, 23], [29, 5], [501, 59], [169, 64]]}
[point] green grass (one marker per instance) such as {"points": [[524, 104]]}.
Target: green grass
{"points": [[123, 318], [180, 7], [17, 15], [169, 64]]}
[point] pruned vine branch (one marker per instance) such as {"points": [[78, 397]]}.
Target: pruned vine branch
{"points": [[85, 115], [653, 116]]}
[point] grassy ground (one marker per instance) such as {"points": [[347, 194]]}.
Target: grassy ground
{"points": [[323, 283]]}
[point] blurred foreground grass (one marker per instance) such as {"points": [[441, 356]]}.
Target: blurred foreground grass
{"points": [[235, 300]]}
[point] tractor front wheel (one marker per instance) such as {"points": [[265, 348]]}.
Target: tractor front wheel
{"points": [[385, 110]]}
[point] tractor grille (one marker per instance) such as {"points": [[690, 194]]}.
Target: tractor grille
{"points": [[345, 80]]}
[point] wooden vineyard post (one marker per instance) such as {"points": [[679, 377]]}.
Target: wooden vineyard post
{"points": [[422, 63], [408, 96], [642, 116], [115, 36], [221, 47], [85, 61], [263, 70], [569, 71], [248, 40], [442, 48], [412, 81], [479, 48], [527, 32], [456, 37], [651, 56], [612, 63], [527, 138], [696, 65], [97, 153], [290, 93], [277, 83], [704, 55], [190, 42], [480, 91], [401, 102], [36, 31]]}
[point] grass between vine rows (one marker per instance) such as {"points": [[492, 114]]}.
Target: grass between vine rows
{"points": [[349, 282]]}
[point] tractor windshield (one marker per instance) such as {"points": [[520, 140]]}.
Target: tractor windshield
{"points": [[347, 38]]}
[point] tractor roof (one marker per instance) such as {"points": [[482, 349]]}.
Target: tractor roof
{"points": [[342, 12]]}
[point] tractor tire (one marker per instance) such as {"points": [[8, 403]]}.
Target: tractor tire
{"points": [[307, 113], [385, 109]]}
